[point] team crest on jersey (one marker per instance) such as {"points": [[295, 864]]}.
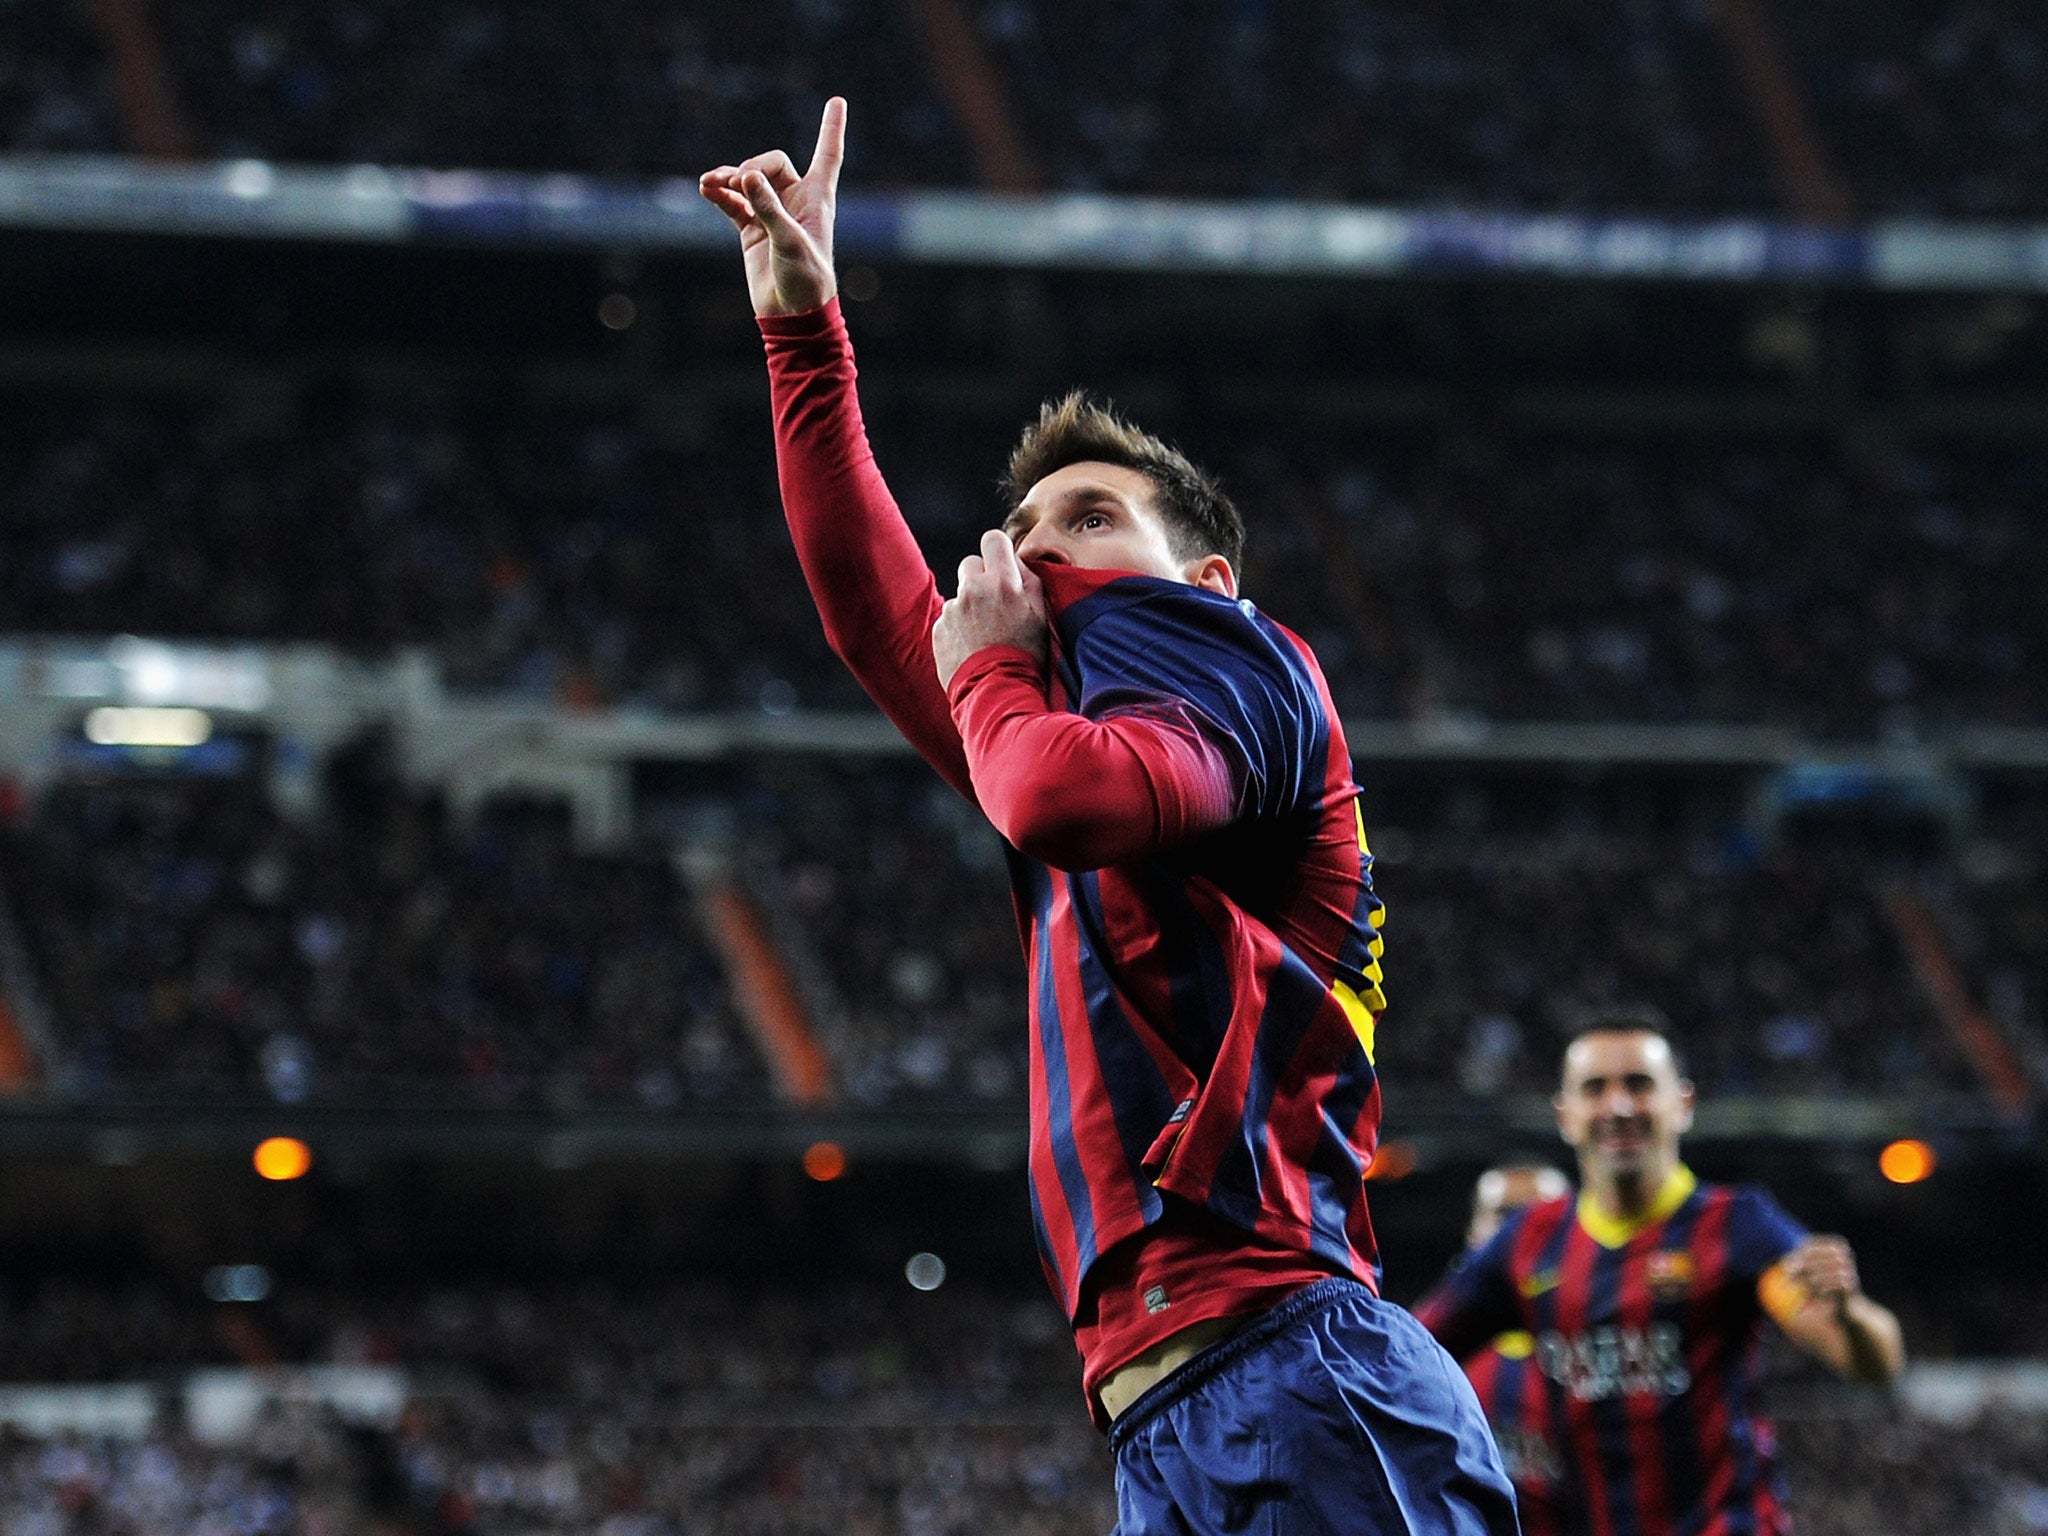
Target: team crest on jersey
{"points": [[1669, 1272], [1542, 1280]]}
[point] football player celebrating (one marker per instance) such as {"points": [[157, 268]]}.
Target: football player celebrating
{"points": [[1645, 1300]]}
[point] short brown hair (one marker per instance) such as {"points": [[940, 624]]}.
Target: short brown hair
{"points": [[1200, 519], [1627, 1019]]}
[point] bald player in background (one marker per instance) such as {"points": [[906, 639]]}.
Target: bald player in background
{"points": [[1504, 1374], [1646, 1300]]}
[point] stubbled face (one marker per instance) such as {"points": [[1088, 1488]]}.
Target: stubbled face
{"points": [[1105, 517], [1504, 1191], [1623, 1106]]}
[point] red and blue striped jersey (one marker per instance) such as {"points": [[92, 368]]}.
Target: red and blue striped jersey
{"points": [[1517, 1406], [1190, 872], [1202, 1019], [1647, 1339]]}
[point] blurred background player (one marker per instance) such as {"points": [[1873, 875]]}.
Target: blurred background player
{"points": [[1503, 1373], [1645, 1299], [1192, 882]]}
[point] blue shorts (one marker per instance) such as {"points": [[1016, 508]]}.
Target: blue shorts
{"points": [[1335, 1414]]}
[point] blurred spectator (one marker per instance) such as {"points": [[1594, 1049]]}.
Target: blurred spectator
{"points": [[56, 83], [1503, 576], [612, 87], [1573, 105], [192, 941]]}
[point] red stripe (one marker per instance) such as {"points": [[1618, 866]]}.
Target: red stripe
{"points": [[1582, 1437], [1144, 985], [1538, 1228], [1365, 1139], [1645, 1446], [1708, 1393]]}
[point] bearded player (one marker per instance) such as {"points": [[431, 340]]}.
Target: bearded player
{"points": [[1504, 1373], [1646, 1299], [1202, 941]]}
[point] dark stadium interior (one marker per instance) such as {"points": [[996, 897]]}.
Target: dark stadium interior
{"points": [[1687, 627]]}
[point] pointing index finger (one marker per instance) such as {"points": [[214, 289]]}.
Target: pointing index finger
{"points": [[831, 151]]}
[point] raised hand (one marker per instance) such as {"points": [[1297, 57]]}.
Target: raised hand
{"points": [[1000, 603], [785, 220]]}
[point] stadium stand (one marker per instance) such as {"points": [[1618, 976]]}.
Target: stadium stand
{"points": [[56, 86], [1570, 106], [1509, 575], [195, 943], [1926, 106], [548, 1409]]}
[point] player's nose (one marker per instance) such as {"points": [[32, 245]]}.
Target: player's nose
{"points": [[1041, 543]]}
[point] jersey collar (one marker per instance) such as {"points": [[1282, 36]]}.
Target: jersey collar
{"points": [[1617, 1231]]}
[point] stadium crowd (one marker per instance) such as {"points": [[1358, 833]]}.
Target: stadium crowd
{"points": [[193, 941], [663, 1412], [1567, 104], [546, 550]]}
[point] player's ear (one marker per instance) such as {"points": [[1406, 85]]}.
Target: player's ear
{"points": [[1686, 1099], [1212, 572], [1564, 1128]]}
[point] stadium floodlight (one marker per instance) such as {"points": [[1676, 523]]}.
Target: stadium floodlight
{"points": [[148, 726]]}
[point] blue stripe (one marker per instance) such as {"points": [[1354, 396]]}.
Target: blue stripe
{"points": [[1139, 1096], [1610, 1415], [1336, 1173], [1198, 982], [1059, 1114], [1293, 995]]}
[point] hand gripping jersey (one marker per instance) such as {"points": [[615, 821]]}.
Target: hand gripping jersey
{"points": [[1647, 1340], [1510, 1389], [1189, 867]]}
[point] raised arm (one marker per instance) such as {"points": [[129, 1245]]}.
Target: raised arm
{"points": [[874, 592]]}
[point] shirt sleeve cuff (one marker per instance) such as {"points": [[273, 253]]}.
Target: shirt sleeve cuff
{"points": [[805, 324], [991, 660]]}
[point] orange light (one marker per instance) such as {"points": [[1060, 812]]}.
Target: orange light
{"points": [[1906, 1162], [824, 1161], [1394, 1160], [283, 1157]]}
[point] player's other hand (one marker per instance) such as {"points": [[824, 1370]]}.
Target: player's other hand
{"points": [[1826, 1268], [1000, 602], [785, 220]]}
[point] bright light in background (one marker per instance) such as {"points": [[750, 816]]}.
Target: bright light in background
{"points": [[925, 1271], [283, 1157], [148, 727], [1906, 1162], [825, 1161], [237, 1282]]}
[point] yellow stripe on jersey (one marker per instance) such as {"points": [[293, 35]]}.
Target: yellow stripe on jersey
{"points": [[1359, 1012], [1617, 1231]]}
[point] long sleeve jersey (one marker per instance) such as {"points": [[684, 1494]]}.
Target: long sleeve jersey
{"points": [[1190, 875]]}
